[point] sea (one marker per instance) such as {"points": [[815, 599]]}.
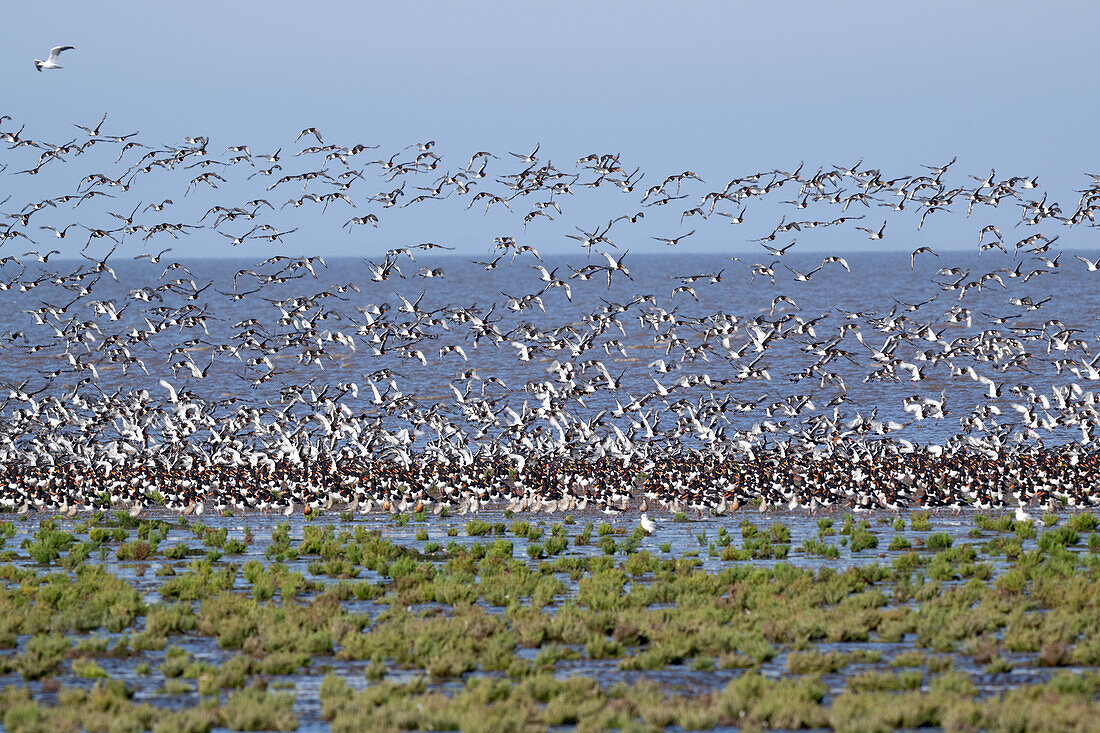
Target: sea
{"points": [[785, 353]]}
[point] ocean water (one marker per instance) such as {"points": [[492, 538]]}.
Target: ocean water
{"points": [[771, 378]]}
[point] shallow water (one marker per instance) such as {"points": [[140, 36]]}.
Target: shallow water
{"points": [[672, 538]]}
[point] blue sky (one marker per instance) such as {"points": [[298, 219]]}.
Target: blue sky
{"points": [[722, 88]]}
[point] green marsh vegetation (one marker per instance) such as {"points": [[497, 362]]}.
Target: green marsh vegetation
{"points": [[838, 621]]}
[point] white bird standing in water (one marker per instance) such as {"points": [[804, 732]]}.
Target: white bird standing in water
{"points": [[647, 524], [51, 62]]}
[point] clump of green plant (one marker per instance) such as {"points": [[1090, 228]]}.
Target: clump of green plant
{"points": [[1003, 523], [137, 550], [48, 542], [938, 541], [170, 618], [87, 668], [256, 709], [862, 539], [477, 528], [41, 656], [816, 547], [176, 552], [920, 521], [281, 548], [607, 544], [899, 542], [555, 544], [215, 537], [1083, 522], [1059, 537]]}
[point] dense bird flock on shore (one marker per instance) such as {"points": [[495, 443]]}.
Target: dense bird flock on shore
{"points": [[106, 397]]}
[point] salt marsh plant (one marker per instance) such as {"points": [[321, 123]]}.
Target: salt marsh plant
{"points": [[490, 630]]}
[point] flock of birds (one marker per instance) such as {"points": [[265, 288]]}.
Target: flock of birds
{"points": [[132, 381]]}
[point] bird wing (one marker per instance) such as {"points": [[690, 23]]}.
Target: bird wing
{"points": [[56, 51], [171, 390]]}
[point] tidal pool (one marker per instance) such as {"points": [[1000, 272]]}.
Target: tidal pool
{"points": [[496, 622]]}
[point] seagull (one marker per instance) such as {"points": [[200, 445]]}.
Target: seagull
{"points": [[1092, 266], [51, 62], [647, 524]]}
